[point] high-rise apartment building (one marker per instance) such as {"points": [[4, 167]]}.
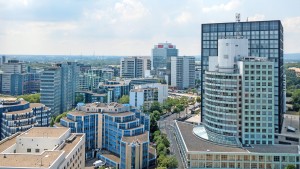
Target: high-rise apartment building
{"points": [[239, 96], [135, 67], [183, 72], [238, 129], [51, 89], [58, 86], [161, 59], [265, 40]]}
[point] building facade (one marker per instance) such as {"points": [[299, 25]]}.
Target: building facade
{"points": [[16, 80], [51, 89], [265, 40], [43, 147], [135, 67], [198, 152], [121, 134], [183, 72], [161, 59], [87, 123], [58, 86], [19, 115], [142, 96], [239, 96]]}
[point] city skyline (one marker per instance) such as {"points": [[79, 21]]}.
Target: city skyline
{"points": [[127, 27]]}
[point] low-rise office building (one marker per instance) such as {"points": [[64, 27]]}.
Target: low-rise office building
{"points": [[198, 152], [118, 133], [43, 147], [290, 133]]}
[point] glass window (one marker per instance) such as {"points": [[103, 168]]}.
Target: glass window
{"points": [[254, 26], [214, 28], [264, 25], [205, 28], [229, 27], [274, 25], [246, 26], [221, 27]]}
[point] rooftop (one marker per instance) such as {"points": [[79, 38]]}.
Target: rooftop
{"points": [[45, 132], [291, 121], [31, 106], [78, 113], [29, 160], [194, 143], [111, 156], [120, 114], [139, 138], [44, 159], [7, 142]]}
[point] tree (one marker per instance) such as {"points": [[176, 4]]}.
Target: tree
{"points": [[155, 106], [198, 99], [31, 98], [296, 99], [290, 166], [57, 118], [161, 149], [176, 110], [153, 123], [180, 107], [124, 99], [79, 98], [172, 162]]}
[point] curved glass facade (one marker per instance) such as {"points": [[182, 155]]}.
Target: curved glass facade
{"points": [[223, 107]]}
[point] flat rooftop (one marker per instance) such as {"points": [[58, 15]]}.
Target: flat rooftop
{"points": [[45, 132], [31, 106], [194, 143], [44, 159], [120, 114], [29, 160], [78, 113], [8, 141], [110, 156], [140, 138], [291, 121]]}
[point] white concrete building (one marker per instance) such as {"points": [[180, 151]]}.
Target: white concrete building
{"points": [[145, 95], [43, 147], [183, 72]]}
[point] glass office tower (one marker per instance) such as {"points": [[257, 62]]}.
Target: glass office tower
{"points": [[265, 40]]}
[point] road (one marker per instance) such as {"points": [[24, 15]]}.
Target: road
{"points": [[165, 126]]}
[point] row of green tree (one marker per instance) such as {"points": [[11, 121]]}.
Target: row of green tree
{"points": [[32, 98], [164, 160], [293, 85]]}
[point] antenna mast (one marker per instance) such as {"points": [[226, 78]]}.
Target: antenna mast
{"points": [[238, 25]]}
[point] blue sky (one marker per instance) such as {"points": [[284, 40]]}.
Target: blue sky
{"points": [[129, 27]]}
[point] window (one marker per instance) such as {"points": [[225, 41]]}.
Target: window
{"points": [[28, 150], [37, 150]]}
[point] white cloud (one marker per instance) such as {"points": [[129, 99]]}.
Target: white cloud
{"points": [[257, 17], [292, 24], [183, 18], [232, 4], [130, 10]]}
